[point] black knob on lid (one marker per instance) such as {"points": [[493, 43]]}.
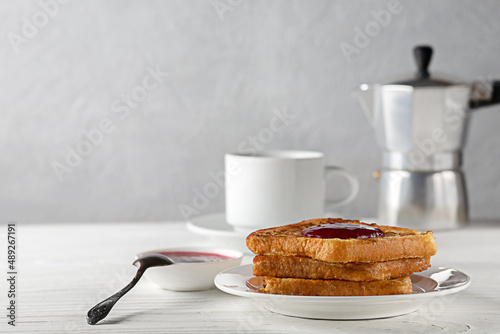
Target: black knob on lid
{"points": [[423, 55]]}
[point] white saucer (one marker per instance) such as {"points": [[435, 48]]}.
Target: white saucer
{"points": [[220, 232], [428, 284]]}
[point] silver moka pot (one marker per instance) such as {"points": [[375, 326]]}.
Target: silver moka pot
{"points": [[420, 125]]}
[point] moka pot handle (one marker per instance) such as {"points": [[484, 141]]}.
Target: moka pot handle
{"points": [[484, 94]]}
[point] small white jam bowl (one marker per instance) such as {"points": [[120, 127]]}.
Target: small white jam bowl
{"points": [[193, 276]]}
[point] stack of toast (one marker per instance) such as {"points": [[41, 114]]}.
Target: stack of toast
{"points": [[291, 262]]}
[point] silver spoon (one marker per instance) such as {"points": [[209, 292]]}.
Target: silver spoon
{"points": [[101, 310]]}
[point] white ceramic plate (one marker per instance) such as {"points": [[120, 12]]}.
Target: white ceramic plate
{"points": [[426, 285], [219, 231]]}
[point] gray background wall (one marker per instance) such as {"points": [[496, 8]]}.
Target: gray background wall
{"points": [[222, 77]]}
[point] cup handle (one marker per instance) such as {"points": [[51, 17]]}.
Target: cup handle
{"points": [[330, 171]]}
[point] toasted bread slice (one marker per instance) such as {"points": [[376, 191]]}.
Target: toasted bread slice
{"points": [[304, 267], [397, 243], [318, 287]]}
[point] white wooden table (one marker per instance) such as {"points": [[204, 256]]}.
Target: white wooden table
{"points": [[64, 269]]}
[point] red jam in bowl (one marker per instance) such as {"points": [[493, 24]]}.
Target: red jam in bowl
{"points": [[342, 231], [191, 257]]}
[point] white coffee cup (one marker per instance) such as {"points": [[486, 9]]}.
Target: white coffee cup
{"points": [[273, 188]]}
